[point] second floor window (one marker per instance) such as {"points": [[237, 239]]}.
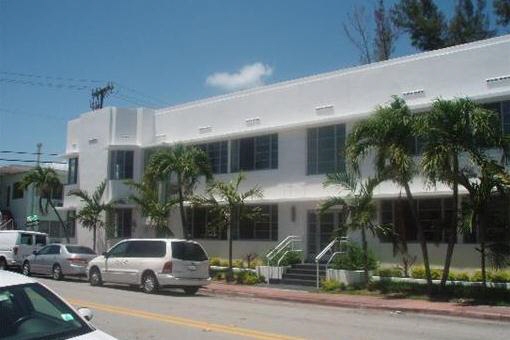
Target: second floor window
{"points": [[325, 147], [72, 173], [121, 164], [254, 153], [218, 156]]}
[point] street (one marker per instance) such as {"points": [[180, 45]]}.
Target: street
{"points": [[127, 313]]}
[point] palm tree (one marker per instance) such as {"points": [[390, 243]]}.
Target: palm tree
{"points": [[152, 205], [388, 134], [491, 181], [45, 182], [185, 165], [91, 215], [229, 207], [452, 129], [357, 206]]}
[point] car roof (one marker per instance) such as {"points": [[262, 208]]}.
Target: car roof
{"points": [[160, 239], [11, 279]]}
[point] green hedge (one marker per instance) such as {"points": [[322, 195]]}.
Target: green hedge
{"points": [[353, 259]]}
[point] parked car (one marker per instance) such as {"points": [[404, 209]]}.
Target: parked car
{"points": [[32, 311], [17, 245], [152, 264], [59, 260]]}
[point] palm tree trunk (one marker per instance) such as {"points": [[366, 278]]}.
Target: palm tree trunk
{"points": [[185, 233], [482, 250], [94, 231], [365, 254], [452, 237], [230, 274], [421, 237], [64, 227]]}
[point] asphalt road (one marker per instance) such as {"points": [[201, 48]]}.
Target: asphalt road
{"points": [[127, 313]]}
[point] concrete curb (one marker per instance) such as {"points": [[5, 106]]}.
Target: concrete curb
{"points": [[445, 309]]}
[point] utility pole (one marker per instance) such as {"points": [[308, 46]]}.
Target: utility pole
{"points": [[32, 190], [99, 94]]}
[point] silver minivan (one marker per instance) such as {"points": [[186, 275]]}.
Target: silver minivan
{"points": [[17, 245], [153, 264]]}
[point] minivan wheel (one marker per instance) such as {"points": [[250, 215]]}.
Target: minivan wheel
{"points": [[95, 277], [25, 270], [57, 272], [3, 264], [150, 283], [190, 290]]}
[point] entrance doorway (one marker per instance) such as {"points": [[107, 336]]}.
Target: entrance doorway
{"points": [[321, 229]]}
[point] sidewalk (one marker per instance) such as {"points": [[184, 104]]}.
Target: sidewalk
{"points": [[367, 302]]}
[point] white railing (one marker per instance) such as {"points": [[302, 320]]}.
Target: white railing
{"points": [[290, 244], [328, 249], [7, 225]]}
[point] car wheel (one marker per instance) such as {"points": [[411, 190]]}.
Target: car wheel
{"points": [[57, 272], [95, 277], [25, 270], [191, 290], [150, 283], [3, 264]]}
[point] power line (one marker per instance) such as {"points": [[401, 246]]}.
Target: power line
{"points": [[59, 86], [28, 153], [19, 112], [30, 75], [29, 161]]}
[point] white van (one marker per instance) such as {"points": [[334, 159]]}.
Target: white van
{"points": [[151, 264], [17, 245]]}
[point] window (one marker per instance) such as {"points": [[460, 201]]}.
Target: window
{"points": [[188, 251], [53, 250], [265, 227], [26, 239], [435, 216], [325, 148], [54, 229], [71, 223], [8, 198], [58, 193], [218, 156], [254, 153], [503, 110], [121, 164], [40, 240], [121, 223], [80, 250], [120, 250], [498, 229], [146, 249], [17, 191], [72, 172]]}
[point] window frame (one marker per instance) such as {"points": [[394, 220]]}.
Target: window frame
{"points": [[122, 158], [236, 150], [313, 140], [72, 170]]}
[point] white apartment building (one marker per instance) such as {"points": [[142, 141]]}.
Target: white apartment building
{"points": [[285, 137]]}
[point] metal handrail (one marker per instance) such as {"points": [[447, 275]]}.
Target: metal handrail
{"points": [[6, 223], [324, 252], [283, 245], [288, 252]]}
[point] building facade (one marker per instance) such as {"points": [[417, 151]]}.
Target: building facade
{"points": [[285, 137]]}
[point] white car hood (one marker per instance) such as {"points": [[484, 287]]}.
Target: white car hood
{"points": [[95, 335]]}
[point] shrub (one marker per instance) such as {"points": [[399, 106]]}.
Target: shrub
{"points": [[332, 286], [352, 259], [499, 276], [214, 261], [458, 276], [419, 273], [237, 263], [224, 262], [476, 277], [247, 278], [256, 262], [290, 259], [390, 272]]}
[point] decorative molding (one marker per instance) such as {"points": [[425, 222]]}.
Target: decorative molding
{"points": [[326, 110], [252, 121], [414, 93], [92, 140], [204, 129], [498, 80]]}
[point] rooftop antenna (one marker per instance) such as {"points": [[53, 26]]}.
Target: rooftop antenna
{"points": [[99, 94]]}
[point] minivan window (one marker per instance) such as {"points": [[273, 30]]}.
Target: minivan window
{"points": [[26, 239], [146, 249], [188, 251], [119, 250], [40, 240]]}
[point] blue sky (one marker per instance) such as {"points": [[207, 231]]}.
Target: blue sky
{"points": [[160, 52]]}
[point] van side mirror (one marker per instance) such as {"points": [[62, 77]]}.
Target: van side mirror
{"points": [[85, 313], [35, 252]]}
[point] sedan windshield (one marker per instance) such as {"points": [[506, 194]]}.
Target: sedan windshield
{"points": [[31, 311]]}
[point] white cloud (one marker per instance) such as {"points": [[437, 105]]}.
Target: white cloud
{"points": [[248, 76]]}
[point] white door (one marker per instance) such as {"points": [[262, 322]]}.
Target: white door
{"points": [[189, 260], [115, 264]]}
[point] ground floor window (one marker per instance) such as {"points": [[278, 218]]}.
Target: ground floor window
{"points": [[203, 224], [121, 223], [435, 216], [498, 228], [55, 230]]}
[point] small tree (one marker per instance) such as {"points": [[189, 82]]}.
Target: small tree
{"points": [[184, 165], [153, 205], [357, 206], [45, 182], [229, 206], [91, 215]]}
